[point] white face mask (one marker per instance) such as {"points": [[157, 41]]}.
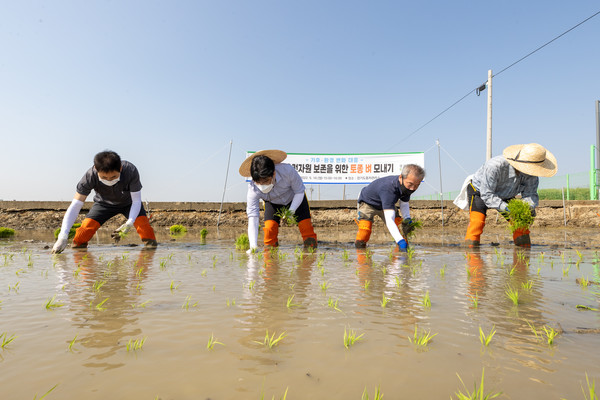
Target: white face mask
{"points": [[109, 183], [264, 188]]}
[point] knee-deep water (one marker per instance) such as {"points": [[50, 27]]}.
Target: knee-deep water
{"points": [[125, 322]]}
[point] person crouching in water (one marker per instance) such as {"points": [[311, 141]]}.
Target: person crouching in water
{"points": [[118, 191], [280, 186], [500, 179], [380, 198]]}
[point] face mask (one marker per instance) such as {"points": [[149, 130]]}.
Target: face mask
{"points": [[405, 189], [109, 183], [264, 188]]}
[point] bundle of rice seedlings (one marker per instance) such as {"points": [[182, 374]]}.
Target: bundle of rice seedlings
{"points": [[519, 214], [71, 231]]}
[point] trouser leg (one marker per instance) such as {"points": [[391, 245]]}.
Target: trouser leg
{"points": [[309, 237], [521, 237], [85, 232], [142, 225], [475, 228], [271, 231], [364, 233]]}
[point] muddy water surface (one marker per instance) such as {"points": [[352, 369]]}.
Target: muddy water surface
{"points": [[177, 296]]}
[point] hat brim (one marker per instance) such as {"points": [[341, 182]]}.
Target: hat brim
{"points": [[276, 155], [546, 169]]}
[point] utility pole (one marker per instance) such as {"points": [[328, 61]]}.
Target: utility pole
{"points": [[441, 187], [597, 146], [488, 153]]}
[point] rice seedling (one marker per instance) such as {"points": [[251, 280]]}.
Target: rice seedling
{"points": [[214, 288], [72, 343], [512, 270], [14, 288], [533, 329], [203, 233], [6, 232], [177, 230], [290, 302], [230, 302], [477, 393], [550, 333], [98, 285], [203, 273], [541, 257], [251, 285], [591, 389], [142, 305], [513, 295], [469, 273], [398, 281], [186, 304], [45, 394], [384, 301], [538, 271], [521, 255], [322, 270], [333, 303], [51, 304], [345, 255], [410, 229], [100, 306], [579, 255], [410, 252], [366, 284], [584, 282], [77, 271], [29, 260], [325, 285], [443, 271], [474, 300], [368, 253], [423, 338], [286, 216], [582, 307], [272, 341], [519, 215], [486, 339], [527, 285], [376, 396], [212, 341], [350, 337], [19, 271], [262, 395], [565, 271], [174, 286], [242, 242], [426, 301], [137, 344], [6, 340], [215, 258]]}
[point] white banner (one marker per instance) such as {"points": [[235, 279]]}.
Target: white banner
{"points": [[349, 168]]}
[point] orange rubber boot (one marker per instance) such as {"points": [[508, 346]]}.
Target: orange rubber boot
{"points": [[521, 237], [85, 232], [475, 228], [143, 228], [309, 237], [363, 234], [271, 230]]}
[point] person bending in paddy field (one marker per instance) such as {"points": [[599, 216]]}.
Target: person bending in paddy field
{"points": [[118, 191], [500, 179], [380, 198], [279, 186]]}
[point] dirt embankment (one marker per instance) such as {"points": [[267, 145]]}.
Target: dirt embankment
{"points": [[48, 215]]}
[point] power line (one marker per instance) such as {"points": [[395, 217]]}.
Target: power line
{"points": [[482, 87]]}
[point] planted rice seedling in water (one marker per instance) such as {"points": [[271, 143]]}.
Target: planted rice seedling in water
{"points": [[174, 286], [136, 344], [177, 230], [376, 396], [230, 303], [477, 393], [410, 252], [72, 343], [212, 341], [51, 304], [425, 300], [550, 333], [333, 303], [366, 284], [98, 285], [591, 389], [186, 304], [486, 339], [475, 300], [6, 340], [272, 341], [45, 394], [513, 295], [421, 339], [325, 285], [443, 271], [527, 285], [350, 337], [100, 306], [384, 301], [290, 302]]}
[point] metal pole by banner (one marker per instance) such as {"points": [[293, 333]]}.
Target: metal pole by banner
{"points": [[488, 153], [441, 187], [225, 186]]}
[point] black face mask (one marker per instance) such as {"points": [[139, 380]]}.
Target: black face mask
{"points": [[404, 189]]}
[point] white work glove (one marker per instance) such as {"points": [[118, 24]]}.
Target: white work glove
{"points": [[60, 245], [125, 228]]}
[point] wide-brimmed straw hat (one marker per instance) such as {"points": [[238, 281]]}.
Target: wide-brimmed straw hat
{"points": [[531, 159], [276, 155]]}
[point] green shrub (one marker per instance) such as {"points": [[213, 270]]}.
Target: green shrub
{"points": [[71, 231], [6, 232]]}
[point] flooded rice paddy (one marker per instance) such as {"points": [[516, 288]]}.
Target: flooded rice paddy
{"points": [[124, 322]]}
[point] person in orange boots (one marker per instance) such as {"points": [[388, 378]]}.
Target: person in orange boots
{"points": [[280, 186], [118, 191], [380, 198], [500, 179]]}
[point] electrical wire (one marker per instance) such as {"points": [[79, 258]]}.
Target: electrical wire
{"points": [[479, 87]]}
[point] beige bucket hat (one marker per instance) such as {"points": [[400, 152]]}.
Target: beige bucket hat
{"points": [[276, 155], [531, 159]]}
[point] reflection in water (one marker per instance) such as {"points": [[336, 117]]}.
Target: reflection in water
{"points": [[103, 294]]}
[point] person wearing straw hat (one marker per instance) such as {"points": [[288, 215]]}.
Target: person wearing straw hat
{"points": [[500, 179], [280, 186]]}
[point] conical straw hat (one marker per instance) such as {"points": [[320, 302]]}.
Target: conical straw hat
{"points": [[531, 159], [276, 155]]}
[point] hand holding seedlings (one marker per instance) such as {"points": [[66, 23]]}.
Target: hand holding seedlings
{"points": [[122, 231], [286, 215]]}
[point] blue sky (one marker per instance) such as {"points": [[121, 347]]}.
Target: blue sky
{"points": [[167, 84]]}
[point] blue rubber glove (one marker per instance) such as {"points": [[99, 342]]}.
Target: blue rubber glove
{"points": [[408, 220], [402, 245], [505, 209]]}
